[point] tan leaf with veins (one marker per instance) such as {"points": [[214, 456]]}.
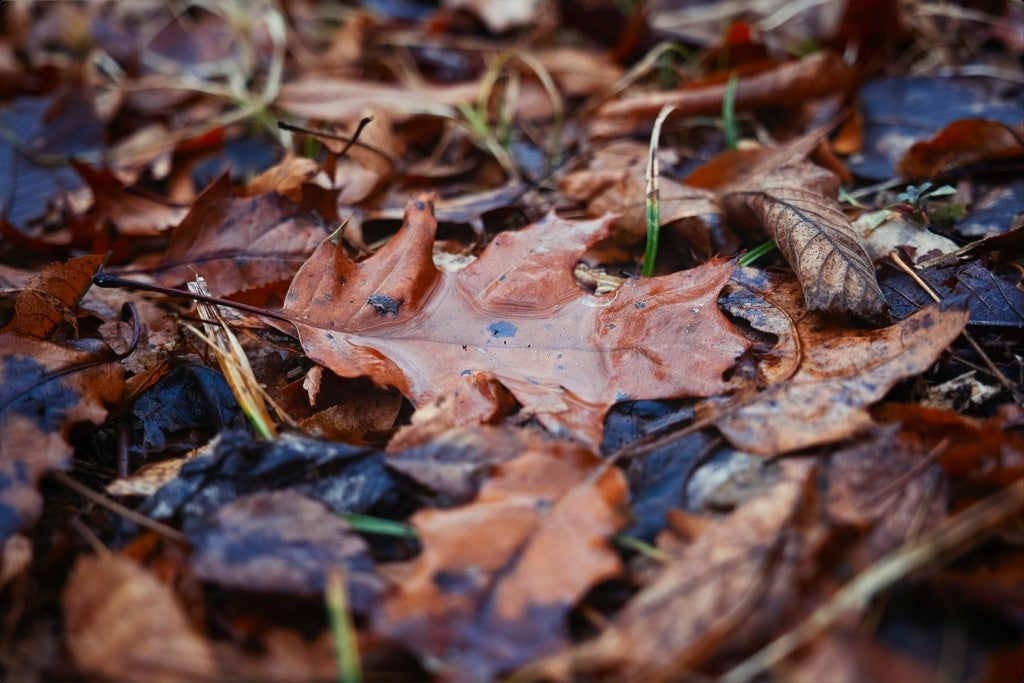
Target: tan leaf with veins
{"points": [[797, 206]]}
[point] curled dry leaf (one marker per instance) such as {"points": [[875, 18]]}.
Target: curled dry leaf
{"points": [[40, 401], [123, 624], [238, 243], [49, 299], [797, 206], [518, 314], [962, 143], [491, 590], [841, 372]]}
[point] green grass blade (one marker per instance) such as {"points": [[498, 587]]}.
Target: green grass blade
{"points": [[343, 633], [732, 137]]}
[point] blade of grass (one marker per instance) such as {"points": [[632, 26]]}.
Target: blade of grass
{"points": [[653, 198], [368, 524], [756, 253], [343, 634], [732, 137]]}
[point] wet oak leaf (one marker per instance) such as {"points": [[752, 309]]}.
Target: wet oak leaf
{"points": [[238, 243], [490, 589], [123, 624], [841, 372], [133, 212], [50, 297], [517, 313], [39, 404], [797, 206], [962, 143]]}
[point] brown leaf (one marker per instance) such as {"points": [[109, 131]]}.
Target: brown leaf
{"points": [[42, 396], [789, 82], [123, 624], [842, 371], [962, 143], [131, 211], [797, 206], [49, 299], [491, 588], [613, 182], [518, 314], [281, 542], [238, 243], [700, 597]]}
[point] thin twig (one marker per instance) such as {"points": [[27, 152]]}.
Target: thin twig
{"points": [[993, 370], [115, 507]]}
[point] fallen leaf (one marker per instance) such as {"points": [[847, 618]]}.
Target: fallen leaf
{"points": [[287, 178], [130, 210], [518, 314], [281, 542], [613, 182], [345, 478], [853, 658], [238, 243], [480, 399], [490, 590], [699, 599], [897, 230], [842, 371], [123, 624], [49, 299], [45, 390], [812, 76], [797, 206], [992, 293], [962, 143]]}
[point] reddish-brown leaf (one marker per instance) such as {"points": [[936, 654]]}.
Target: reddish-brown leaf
{"points": [[790, 82], [518, 314], [40, 401], [497, 577], [798, 208], [962, 143], [123, 624], [841, 372], [131, 211], [49, 299], [238, 243]]}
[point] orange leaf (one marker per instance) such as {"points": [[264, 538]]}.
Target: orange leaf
{"points": [[50, 298], [494, 571]]}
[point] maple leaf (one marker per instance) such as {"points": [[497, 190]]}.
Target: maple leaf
{"points": [[515, 313]]}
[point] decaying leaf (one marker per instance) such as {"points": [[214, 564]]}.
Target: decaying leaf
{"points": [[42, 396], [814, 75], [133, 213], [518, 314], [238, 243], [962, 143], [281, 542], [123, 624], [797, 206], [48, 300], [697, 600], [842, 371], [491, 590]]}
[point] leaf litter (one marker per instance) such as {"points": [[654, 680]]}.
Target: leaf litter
{"points": [[517, 456]]}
